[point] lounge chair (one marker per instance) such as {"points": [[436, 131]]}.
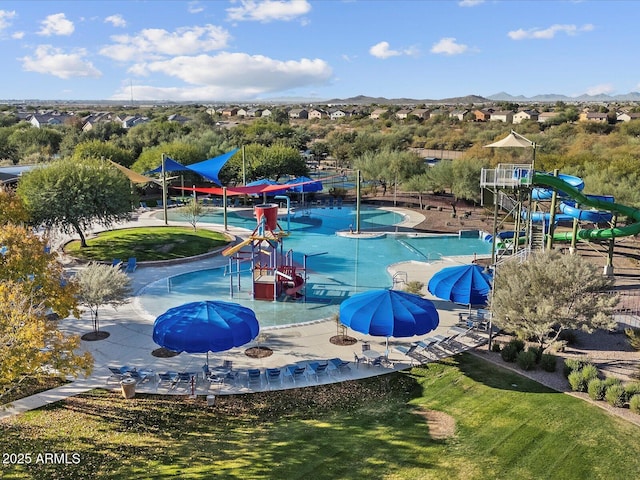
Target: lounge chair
{"points": [[297, 373], [340, 365], [185, 377], [118, 373], [319, 369], [274, 375], [254, 378], [140, 376], [132, 264], [359, 359], [116, 262], [168, 377]]}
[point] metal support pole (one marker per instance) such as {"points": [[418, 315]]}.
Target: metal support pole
{"points": [[358, 181], [224, 206], [552, 214], [164, 190], [495, 226]]}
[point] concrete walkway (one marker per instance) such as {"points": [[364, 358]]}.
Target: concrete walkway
{"points": [[130, 341]]}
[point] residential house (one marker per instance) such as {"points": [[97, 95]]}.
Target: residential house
{"points": [[317, 114], [131, 120], [546, 116], [458, 114], [337, 114], [298, 113], [48, 119], [266, 113], [593, 117], [627, 117], [241, 112], [254, 112], [523, 115], [502, 116], [377, 113], [402, 114], [421, 113], [483, 115], [230, 112], [178, 118]]}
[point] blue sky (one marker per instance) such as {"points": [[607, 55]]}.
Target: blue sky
{"points": [[253, 50]]}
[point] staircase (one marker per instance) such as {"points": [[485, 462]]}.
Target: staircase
{"points": [[537, 240]]}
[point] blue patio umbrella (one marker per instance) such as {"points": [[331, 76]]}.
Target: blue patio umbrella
{"points": [[389, 313], [201, 327], [464, 284]]}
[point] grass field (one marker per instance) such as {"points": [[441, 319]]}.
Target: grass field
{"points": [[506, 426], [148, 243]]}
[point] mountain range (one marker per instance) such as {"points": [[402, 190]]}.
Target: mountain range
{"points": [[475, 99]]}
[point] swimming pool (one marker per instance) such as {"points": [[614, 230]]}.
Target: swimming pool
{"points": [[337, 266]]}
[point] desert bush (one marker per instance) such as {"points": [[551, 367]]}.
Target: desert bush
{"points": [[548, 362], [596, 389], [526, 360], [509, 352], [518, 344], [576, 381], [537, 351], [495, 347], [632, 389], [414, 287], [633, 337], [634, 403], [573, 364], [589, 372], [615, 396]]}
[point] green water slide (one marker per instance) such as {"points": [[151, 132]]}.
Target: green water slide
{"points": [[546, 180]]}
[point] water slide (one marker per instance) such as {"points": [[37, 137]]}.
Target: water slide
{"points": [[602, 203], [227, 252], [298, 283]]}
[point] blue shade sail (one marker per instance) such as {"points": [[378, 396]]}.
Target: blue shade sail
{"points": [[389, 313], [464, 284], [304, 185], [201, 327], [210, 169]]}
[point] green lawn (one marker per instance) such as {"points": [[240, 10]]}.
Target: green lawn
{"points": [[506, 427], [148, 243]]}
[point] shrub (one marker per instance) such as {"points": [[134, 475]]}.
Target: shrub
{"points": [[414, 286], [596, 389], [526, 360], [612, 381], [633, 337], [615, 396], [572, 364], [548, 362], [495, 347], [589, 372], [632, 389], [509, 353], [537, 351], [634, 403], [576, 381], [518, 344]]}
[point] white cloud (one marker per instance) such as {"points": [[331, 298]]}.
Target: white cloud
{"points": [[268, 10], [54, 61], [116, 20], [17, 35], [548, 33], [383, 50], [605, 88], [154, 43], [5, 18], [56, 24], [449, 46], [238, 75], [194, 7], [470, 3]]}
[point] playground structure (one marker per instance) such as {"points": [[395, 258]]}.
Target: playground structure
{"points": [[521, 191], [273, 271]]}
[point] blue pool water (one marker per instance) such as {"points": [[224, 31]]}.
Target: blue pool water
{"points": [[337, 266]]}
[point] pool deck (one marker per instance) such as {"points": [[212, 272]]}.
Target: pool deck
{"points": [[130, 341]]}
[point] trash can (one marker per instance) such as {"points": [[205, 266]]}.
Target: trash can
{"points": [[128, 386], [211, 400]]}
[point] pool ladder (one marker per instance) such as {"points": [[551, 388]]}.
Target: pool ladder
{"points": [[399, 278]]}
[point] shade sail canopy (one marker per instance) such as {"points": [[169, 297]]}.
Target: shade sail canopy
{"points": [[210, 169], [134, 177], [170, 165], [248, 190], [389, 313], [304, 185], [201, 327], [512, 140], [465, 284]]}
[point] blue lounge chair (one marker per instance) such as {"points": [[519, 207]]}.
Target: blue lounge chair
{"points": [[131, 265], [340, 365], [116, 262], [274, 375], [254, 378], [297, 373], [319, 369], [169, 377]]}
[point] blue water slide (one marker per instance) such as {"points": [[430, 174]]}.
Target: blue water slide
{"points": [[546, 193]]}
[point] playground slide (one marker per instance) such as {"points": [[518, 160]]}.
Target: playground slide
{"points": [[593, 201], [298, 283], [227, 252]]}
